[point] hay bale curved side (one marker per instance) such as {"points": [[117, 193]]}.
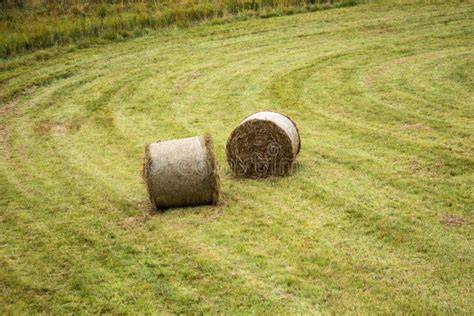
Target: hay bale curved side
{"points": [[264, 144], [181, 172]]}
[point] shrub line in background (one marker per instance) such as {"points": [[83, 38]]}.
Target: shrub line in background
{"points": [[28, 25]]}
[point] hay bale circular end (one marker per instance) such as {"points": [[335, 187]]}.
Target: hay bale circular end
{"points": [[181, 172], [264, 144]]}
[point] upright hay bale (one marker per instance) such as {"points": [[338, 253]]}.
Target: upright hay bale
{"points": [[264, 144], [181, 172]]}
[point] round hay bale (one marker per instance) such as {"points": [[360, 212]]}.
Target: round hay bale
{"points": [[181, 172], [264, 144]]}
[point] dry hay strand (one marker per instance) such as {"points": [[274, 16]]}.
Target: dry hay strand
{"points": [[415, 126], [264, 144], [452, 220], [181, 172], [56, 128]]}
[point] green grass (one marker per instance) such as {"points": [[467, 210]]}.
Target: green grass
{"points": [[376, 218], [44, 23]]}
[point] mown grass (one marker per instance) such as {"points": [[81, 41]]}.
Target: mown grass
{"points": [[376, 218], [40, 25]]}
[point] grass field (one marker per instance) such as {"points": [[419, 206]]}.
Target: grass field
{"points": [[36, 24], [377, 216]]}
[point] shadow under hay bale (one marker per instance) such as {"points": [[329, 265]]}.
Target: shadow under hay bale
{"points": [[181, 172], [264, 144]]}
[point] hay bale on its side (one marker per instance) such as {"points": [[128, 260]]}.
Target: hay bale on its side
{"points": [[181, 172], [264, 144]]}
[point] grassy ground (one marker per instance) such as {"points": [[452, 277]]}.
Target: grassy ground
{"points": [[377, 217], [41, 24]]}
